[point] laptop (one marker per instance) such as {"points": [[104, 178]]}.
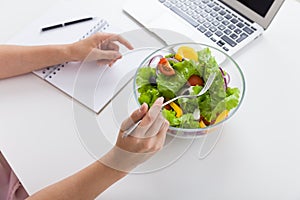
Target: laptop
{"points": [[225, 24]]}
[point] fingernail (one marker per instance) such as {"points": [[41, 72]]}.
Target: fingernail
{"points": [[167, 123], [160, 100], [142, 107]]}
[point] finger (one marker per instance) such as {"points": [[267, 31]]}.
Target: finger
{"points": [[161, 135], [103, 62], [149, 118], [113, 46], [108, 54], [113, 62], [134, 117], [157, 142], [121, 40], [100, 36], [107, 62], [156, 126], [110, 46], [164, 129]]}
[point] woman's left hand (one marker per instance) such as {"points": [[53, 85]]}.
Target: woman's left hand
{"points": [[101, 47]]}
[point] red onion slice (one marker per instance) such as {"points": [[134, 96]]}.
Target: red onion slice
{"points": [[153, 58], [224, 77]]}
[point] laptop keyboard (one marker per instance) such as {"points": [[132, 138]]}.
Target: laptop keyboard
{"points": [[213, 20]]}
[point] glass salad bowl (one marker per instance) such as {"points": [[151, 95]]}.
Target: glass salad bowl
{"points": [[183, 69]]}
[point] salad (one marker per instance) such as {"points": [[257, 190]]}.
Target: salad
{"points": [[186, 72]]}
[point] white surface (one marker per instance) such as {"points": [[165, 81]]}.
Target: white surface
{"points": [[257, 156]]}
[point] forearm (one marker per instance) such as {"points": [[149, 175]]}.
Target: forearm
{"points": [[86, 184], [127, 154], [16, 60]]}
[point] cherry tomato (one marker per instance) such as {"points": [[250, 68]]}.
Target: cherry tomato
{"points": [[196, 80], [165, 67]]}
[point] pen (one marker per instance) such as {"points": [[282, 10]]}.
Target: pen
{"points": [[66, 23]]}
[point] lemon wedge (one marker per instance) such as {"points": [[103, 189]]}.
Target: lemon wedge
{"points": [[188, 52], [222, 116]]}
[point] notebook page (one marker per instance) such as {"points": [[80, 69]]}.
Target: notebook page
{"points": [[95, 86]]}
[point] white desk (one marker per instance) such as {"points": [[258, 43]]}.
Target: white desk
{"points": [[257, 156]]}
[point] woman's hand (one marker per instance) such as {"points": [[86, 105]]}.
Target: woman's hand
{"points": [[101, 47], [150, 135], [147, 139]]}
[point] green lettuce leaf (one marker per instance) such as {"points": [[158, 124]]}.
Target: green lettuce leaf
{"points": [[185, 121], [186, 68], [232, 98], [149, 96], [188, 121], [216, 94], [168, 86], [143, 76], [170, 115], [196, 89], [188, 105]]}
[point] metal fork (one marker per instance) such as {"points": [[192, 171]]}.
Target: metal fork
{"points": [[204, 89]]}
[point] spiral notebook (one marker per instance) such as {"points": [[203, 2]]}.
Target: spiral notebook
{"points": [[86, 82], [97, 25]]}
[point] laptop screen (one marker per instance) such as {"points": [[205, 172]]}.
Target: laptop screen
{"points": [[261, 7], [259, 11]]}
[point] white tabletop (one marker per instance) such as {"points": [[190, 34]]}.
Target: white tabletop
{"points": [[255, 158]]}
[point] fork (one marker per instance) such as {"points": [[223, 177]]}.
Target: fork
{"points": [[204, 89]]}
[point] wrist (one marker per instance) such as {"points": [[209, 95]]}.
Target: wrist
{"points": [[122, 160], [70, 50]]}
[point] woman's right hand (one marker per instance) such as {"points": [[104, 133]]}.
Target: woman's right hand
{"points": [[150, 135], [147, 139]]}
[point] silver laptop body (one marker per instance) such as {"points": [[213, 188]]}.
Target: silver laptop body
{"points": [[228, 24]]}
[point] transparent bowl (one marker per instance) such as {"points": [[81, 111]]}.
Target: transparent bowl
{"points": [[227, 65]]}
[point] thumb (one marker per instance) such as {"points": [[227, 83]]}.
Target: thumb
{"points": [[135, 116], [108, 55]]}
